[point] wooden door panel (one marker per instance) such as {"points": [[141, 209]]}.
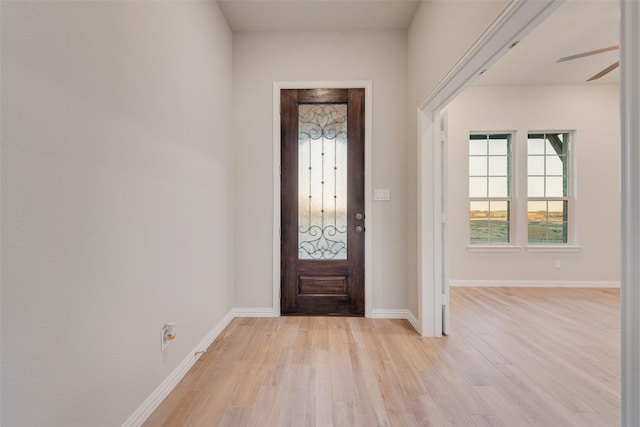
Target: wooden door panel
{"points": [[322, 285], [318, 275]]}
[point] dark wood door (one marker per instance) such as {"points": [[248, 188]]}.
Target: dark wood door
{"points": [[322, 202]]}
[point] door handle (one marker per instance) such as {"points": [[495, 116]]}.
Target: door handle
{"points": [[359, 229], [359, 216]]}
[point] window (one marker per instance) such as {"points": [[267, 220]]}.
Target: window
{"points": [[490, 188], [548, 188]]}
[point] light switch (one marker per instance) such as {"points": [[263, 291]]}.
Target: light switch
{"points": [[381, 194]]}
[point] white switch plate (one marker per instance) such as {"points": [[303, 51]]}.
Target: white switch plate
{"points": [[381, 194]]}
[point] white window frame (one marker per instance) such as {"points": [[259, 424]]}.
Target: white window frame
{"points": [[571, 245], [512, 245]]}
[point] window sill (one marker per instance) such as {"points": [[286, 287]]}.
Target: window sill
{"points": [[553, 248], [493, 248]]}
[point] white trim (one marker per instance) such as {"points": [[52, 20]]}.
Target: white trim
{"points": [[430, 250], [253, 312], [536, 283], [150, 404], [378, 313], [444, 193], [493, 248], [368, 189], [275, 301], [630, 136], [414, 321], [515, 21], [553, 248], [384, 313]]}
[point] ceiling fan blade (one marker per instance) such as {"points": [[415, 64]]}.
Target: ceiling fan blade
{"points": [[606, 71], [591, 52]]}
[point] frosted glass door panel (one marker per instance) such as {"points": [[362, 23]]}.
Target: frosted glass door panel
{"points": [[322, 181]]}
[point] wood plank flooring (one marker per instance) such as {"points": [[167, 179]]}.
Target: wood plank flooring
{"points": [[515, 357]]}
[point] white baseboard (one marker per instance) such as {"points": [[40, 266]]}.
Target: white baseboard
{"points": [[537, 283], [378, 313], [253, 312], [396, 314], [153, 401], [414, 321]]}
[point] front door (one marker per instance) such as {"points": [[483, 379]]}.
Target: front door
{"points": [[322, 202]]}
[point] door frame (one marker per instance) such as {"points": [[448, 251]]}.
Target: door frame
{"points": [[477, 59], [630, 195], [516, 20], [368, 191]]}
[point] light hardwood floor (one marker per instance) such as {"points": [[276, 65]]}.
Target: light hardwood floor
{"points": [[515, 357]]}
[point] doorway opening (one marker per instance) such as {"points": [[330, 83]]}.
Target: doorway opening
{"points": [[516, 20], [478, 58]]}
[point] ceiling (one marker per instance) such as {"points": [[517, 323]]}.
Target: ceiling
{"points": [[575, 27], [318, 15]]}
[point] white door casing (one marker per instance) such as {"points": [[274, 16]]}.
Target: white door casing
{"points": [[444, 226]]}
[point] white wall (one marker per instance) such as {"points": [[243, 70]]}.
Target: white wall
{"points": [[259, 60], [593, 112], [117, 198], [439, 34]]}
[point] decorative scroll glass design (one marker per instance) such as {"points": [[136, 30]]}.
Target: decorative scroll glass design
{"points": [[322, 181]]}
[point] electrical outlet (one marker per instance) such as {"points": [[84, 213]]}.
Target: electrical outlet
{"points": [[167, 334]]}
